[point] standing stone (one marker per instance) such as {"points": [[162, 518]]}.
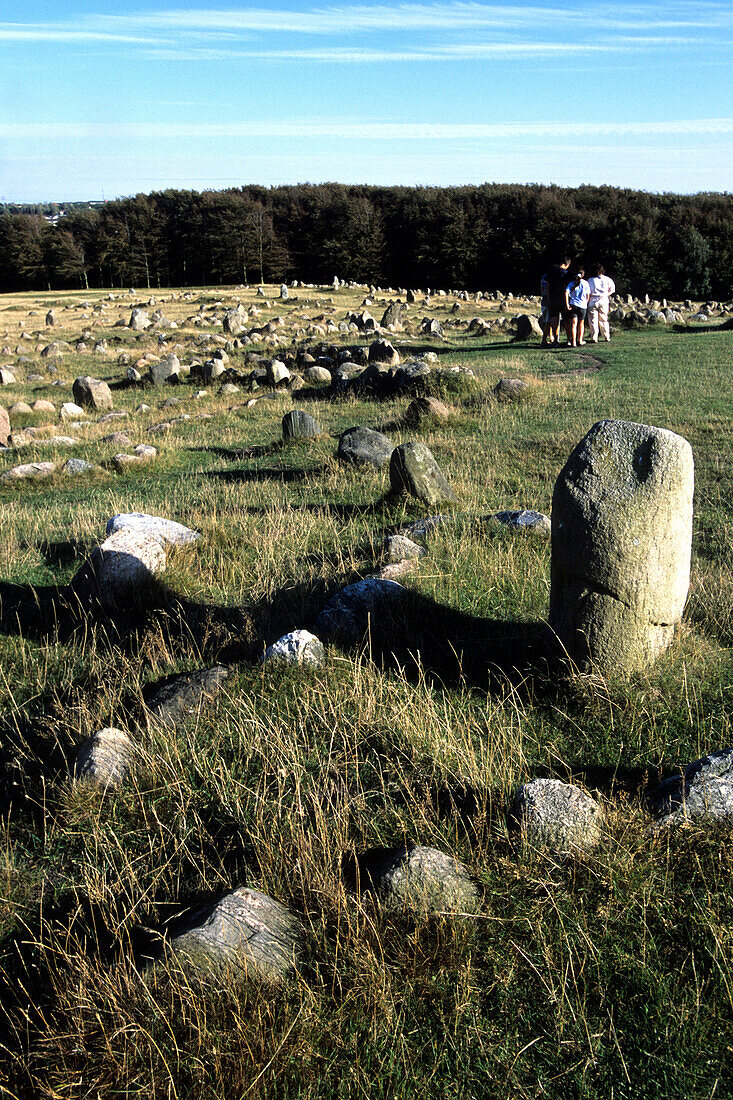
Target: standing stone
{"points": [[621, 543], [381, 351], [235, 321], [300, 425], [165, 370], [90, 393], [4, 426], [7, 378], [392, 315], [284, 294], [413, 470], [51, 318], [139, 320], [126, 562]]}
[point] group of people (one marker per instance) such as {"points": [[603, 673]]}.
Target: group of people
{"points": [[575, 299]]}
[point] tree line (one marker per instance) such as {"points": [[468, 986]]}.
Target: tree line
{"points": [[492, 236]]}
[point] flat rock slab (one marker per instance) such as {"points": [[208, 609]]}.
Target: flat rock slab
{"points": [[29, 471], [346, 616], [418, 879], [246, 931], [362, 446], [104, 758], [165, 531], [555, 815], [300, 647], [179, 698]]}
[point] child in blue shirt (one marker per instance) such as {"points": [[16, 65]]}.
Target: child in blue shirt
{"points": [[577, 294]]}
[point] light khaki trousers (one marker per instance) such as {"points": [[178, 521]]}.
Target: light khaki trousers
{"points": [[598, 318]]}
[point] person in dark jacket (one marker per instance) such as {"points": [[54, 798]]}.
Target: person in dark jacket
{"points": [[557, 281]]}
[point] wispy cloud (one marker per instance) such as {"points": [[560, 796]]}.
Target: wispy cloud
{"points": [[372, 130]]}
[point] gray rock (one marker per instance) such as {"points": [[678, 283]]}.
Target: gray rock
{"points": [[527, 327], [277, 372], [536, 522], [381, 351], [235, 321], [423, 409], [419, 880], [104, 759], [71, 411], [300, 647], [4, 427], [512, 389], [125, 563], [413, 470], [139, 320], [317, 376], [392, 315], [245, 931], [166, 370], [74, 467], [362, 446], [29, 471], [422, 529], [300, 425], [347, 615], [91, 393], [7, 378], [179, 698], [399, 548], [165, 531], [621, 544], [556, 815], [51, 318]]}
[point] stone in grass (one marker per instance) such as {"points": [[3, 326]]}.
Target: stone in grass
{"points": [[512, 389], [91, 393], [246, 932], [143, 454], [346, 616], [300, 425], [75, 467], [126, 563], [418, 879], [704, 792], [399, 548], [555, 815], [71, 411], [413, 470], [4, 427], [300, 647], [165, 531], [317, 376], [424, 409], [527, 520], [20, 408], [362, 446], [43, 406], [34, 471], [621, 545], [7, 378], [423, 529], [178, 698], [104, 758]]}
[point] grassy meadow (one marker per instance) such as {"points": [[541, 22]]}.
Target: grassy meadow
{"points": [[605, 976]]}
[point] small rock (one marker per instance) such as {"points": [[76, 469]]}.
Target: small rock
{"points": [[165, 531], [104, 759], [46, 407], [557, 815], [399, 548], [7, 378], [71, 411], [28, 471], [126, 562], [73, 467], [181, 697], [512, 389], [418, 879], [91, 393], [300, 647], [346, 616], [536, 522], [426, 408]]}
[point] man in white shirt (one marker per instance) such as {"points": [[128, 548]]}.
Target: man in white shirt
{"points": [[601, 289]]}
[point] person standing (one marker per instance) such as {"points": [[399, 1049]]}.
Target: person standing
{"points": [[557, 281], [601, 289], [577, 295]]}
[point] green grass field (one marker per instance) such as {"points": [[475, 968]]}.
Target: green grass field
{"points": [[604, 976]]}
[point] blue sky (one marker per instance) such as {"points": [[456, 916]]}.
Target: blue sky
{"points": [[102, 99]]}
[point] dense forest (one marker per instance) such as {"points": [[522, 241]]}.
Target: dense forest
{"points": [[487, 237]]}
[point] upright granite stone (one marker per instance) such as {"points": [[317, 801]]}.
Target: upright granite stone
{"points": [[104, 758], [413, 470], [91, 393], [300, 425], [4, 426], [621, 542]]}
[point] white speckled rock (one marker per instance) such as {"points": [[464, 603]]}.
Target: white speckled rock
{"points": [[246, 931], [557, 815], [528, 521], [70, 411], [125, 562], [165, 531], [104, 758], [300, 647], [420, 879], [346, 615]]}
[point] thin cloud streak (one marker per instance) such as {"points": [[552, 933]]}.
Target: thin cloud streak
{"points": [[359, 131]]}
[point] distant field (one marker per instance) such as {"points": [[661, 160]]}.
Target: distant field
{"points": [[609, 975]]}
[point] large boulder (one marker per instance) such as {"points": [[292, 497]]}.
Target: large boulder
{"points": [[381, 351], [413, 470], [362, 446], [91, 393], [125, 563], [621, 544], [555, 815], [165, 531], [527, 326], [419, 880], [246, 932]]}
